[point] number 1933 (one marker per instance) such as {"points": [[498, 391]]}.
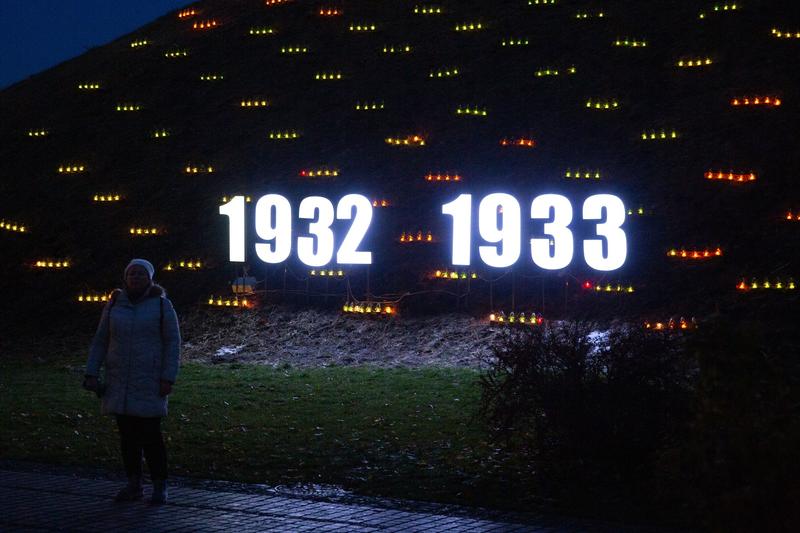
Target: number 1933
{"points": [[500, 226]]}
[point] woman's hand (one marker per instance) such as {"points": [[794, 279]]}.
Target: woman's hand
{"points": [[166, 388]]}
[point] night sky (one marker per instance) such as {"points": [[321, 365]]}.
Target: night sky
{"points": [[38, 34]]}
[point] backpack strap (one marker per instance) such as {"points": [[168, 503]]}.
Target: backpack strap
{"points": [[113, 299]]}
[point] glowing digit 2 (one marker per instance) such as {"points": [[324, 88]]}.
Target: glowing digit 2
{"points": [[348, 253]]}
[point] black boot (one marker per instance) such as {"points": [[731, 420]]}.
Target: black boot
{"points": [[160, 492], [130, 492]]}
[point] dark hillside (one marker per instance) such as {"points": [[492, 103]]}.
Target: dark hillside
{"points": [[208, 126]]}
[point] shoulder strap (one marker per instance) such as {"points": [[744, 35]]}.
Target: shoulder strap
{"points": [[113, 298]]}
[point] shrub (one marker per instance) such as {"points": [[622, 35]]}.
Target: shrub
{"points": [[593, 409], [742, 459], [702, 429]]}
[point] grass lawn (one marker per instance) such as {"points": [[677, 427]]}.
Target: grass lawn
{"points": [[390, 432]]}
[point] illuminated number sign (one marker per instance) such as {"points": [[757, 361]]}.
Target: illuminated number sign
{"points": [[274, 223], [499, 226]]}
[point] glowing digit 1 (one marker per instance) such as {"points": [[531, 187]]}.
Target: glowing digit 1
{"points": [[277, 228], [610, 229], [461, 211], [564, 245], [234, 210], [507, 230], [321, 209], [348, 253]]}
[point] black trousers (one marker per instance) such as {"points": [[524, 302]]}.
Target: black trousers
{"points": [[139, 435]]}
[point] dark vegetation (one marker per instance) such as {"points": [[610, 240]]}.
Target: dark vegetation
{"points": [[701, 429]]}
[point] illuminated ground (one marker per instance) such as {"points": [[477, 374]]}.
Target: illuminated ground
{"points": [[319, 338]]}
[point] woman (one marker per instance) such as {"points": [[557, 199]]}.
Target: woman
{"points": [[139, 341]]}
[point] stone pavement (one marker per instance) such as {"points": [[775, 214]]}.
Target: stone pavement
{"points": [[37, 501]]}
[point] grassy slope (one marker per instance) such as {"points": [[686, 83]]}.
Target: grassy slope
{"points": [[402, 433], [208, 127]]}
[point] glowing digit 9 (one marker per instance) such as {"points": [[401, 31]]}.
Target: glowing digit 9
{"points": [[276, 228], [500, 222]]}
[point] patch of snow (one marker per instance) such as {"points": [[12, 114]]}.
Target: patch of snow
{"points": [[228, 350]]}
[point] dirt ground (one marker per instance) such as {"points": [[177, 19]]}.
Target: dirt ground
{"points": [[277, 336]]}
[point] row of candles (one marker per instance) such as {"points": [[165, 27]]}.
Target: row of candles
{"points": [[370, 308], [326, 172], [414, 140], [738, 101], [430, 9], [494, 318], [529, 319], [58, 264]]}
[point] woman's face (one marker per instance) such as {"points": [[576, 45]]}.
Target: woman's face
{"points": [[136, 279]]}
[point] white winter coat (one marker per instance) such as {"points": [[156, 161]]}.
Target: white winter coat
{"points": [[139, 343]]}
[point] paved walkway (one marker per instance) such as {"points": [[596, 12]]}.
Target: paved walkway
{"points": [[36, 501]]}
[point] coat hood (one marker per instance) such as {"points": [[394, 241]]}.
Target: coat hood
{"points": [[155, 291]]}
